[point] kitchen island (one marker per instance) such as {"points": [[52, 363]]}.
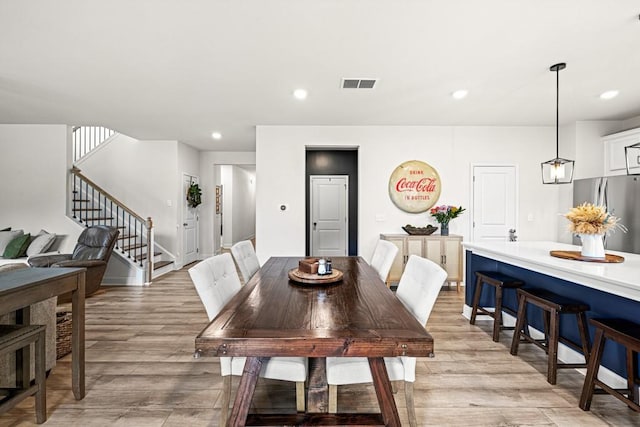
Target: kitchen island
{"points": [[611, 289]]}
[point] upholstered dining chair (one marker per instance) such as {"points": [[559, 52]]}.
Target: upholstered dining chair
{"points": [[216, 281], [382, 259], [246, 258], [418, 289]]}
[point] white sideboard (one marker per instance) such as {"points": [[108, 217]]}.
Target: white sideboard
{"points": [[443, 250]]}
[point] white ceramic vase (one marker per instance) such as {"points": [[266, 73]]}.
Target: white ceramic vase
{"points": [[592, 245]]}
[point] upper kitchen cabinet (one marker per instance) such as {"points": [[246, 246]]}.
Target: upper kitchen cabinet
{"points": [[614, 157]]}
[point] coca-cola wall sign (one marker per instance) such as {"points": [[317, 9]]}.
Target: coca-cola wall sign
{"points": [[414, 186]]}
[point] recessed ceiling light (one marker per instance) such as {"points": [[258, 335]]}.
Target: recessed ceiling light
{"points": [[300, 93], [610, 94], [216, 135], [459, 94]]}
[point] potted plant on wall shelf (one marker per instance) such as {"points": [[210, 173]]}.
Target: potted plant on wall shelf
{"points": [[194, 195]]}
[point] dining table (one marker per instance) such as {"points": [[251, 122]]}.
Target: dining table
{"points": [[273, 315], [21, 288]]}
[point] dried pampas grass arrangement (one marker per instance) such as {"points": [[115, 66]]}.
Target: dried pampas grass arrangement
{"points": [[592, 219]]}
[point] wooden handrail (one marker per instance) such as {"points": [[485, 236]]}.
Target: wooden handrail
{"points": [[76, 171]]}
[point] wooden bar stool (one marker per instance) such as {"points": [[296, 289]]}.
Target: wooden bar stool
{"points": [[553, 306], [499, 281], [627, 334], [16, 337]]}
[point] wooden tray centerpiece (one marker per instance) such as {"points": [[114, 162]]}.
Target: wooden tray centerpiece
{"points": [[577, 256], [307, 272]]}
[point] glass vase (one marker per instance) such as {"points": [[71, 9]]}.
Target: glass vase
{"points": [[444, 229]]}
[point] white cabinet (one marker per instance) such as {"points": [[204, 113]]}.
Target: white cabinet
{"points": [[443, 250], [614, 157]]}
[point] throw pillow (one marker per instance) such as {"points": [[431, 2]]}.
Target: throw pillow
{"points": [[41, 243], [8, 236], [17, 247]]}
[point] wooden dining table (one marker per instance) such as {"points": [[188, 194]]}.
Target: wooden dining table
{"points": [[274, 316]]}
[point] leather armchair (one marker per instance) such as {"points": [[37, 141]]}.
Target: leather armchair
{"points": [[92, 252]]}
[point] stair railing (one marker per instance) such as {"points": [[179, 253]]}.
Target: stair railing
{"points": [[92, 205], [87, 138]]}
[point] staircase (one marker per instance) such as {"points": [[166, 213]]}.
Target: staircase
{"points": [[92, 205]]}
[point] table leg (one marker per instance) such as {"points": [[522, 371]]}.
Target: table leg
{"points": [[318, 390], [246, 388], [383, 392], [77, 339], [23, 355]]}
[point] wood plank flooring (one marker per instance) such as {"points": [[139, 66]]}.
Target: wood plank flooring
{"points": [[140, 372]]}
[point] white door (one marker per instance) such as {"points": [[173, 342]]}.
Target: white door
{"points": [[329, 225], [189, 223], [494, 202]]}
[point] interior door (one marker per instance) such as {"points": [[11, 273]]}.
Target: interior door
{"points": [[189, 224], [329, 223], [494, 202]]}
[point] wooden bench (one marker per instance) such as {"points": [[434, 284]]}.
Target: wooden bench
{"points": [[12, 339], [499, 281], [553, 305], [627, 334]]}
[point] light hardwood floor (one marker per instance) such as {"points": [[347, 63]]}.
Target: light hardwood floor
{"points": [[140, 372]]}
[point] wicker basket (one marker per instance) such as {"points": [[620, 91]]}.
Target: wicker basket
{"points": [[63, 334]]}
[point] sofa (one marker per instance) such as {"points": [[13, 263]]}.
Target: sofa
{"points": [[16, 246]]}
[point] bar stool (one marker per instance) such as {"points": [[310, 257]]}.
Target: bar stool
{"points": [[553, 306], [16, 337], [499, 281], [627, 334]]}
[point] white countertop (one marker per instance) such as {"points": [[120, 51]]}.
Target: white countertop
{"points": [[621, 279]]}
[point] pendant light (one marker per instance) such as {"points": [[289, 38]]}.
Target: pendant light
{"points": [[558, 170]]}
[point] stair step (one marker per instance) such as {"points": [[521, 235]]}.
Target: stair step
{"points": [[144, 256], [80, 200], [161, 264], [86, 209], [136, 246], [99, 218], [125, 237]]}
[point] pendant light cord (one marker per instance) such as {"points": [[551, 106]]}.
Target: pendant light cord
{"points": [[557, 112]]}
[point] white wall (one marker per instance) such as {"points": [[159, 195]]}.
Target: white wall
{"points": [[209, 243], [451, 150], [33, 188], [244, 205], [226, 180], [144, 176]]}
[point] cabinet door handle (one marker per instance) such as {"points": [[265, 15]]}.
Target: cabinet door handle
{"points": [[445, 259]]}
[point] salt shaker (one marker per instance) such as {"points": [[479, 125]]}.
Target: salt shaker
{"points": [[322, 267]]}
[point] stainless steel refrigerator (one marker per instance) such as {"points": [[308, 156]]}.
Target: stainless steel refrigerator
{"points": [[621, 197]]}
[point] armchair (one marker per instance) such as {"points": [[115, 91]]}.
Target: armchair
{"points": [[92, 252]]}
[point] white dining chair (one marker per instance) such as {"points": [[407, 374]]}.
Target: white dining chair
{"points": [[418, 289], [246, 258], [382, 259], [216, 281]]}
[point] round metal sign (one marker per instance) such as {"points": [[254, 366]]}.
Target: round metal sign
{"points": [[414, 186]]}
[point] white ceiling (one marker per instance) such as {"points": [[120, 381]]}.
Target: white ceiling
{"points": [[178, 70]]}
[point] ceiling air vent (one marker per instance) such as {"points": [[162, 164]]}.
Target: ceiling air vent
{"points": [[358, 83]]}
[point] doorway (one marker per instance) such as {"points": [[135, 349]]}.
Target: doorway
{"points": [[189, 223], [329, 224], [234, 210], [495, 201], [321, 161]]}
